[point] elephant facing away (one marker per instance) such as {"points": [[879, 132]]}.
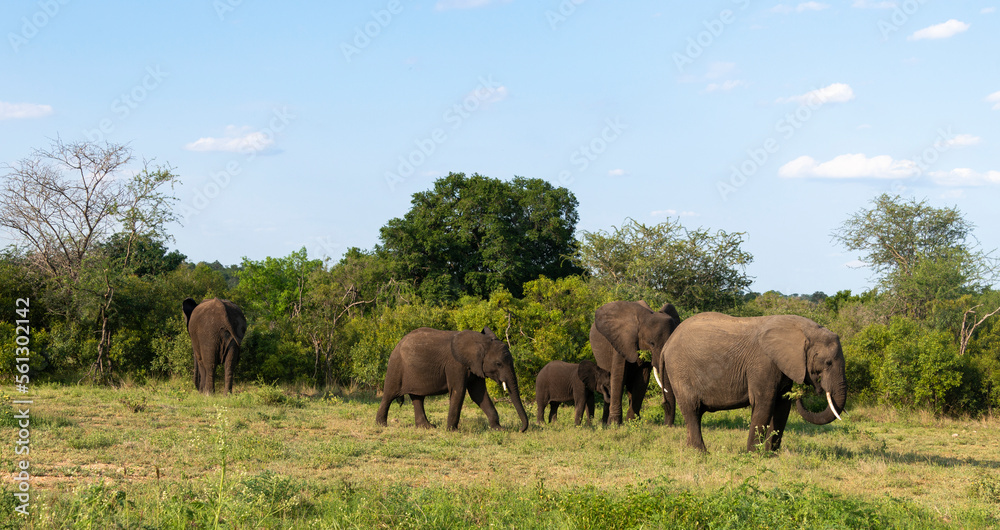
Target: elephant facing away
{"points": [[619, 331], [216, 327], [718, 362], [559, 382], [430, 362]]}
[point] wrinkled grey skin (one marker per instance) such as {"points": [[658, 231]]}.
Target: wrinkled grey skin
{"points": [[718, 362], [619, 331], [216, 327], [561, 382], [430, 362]]}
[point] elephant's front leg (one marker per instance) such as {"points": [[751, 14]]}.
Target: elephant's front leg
{"points": [[419, 416], [760, 424], [778, 421], [617, 389], [692, 413], [669, 401], [478, 393]]}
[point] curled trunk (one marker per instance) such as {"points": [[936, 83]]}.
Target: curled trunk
{"points": [[837, 398]]}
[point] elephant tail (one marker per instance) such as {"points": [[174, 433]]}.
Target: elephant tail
{"points": [[400, 400]]}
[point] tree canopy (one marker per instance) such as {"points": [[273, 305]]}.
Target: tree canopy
{"points": [[919, 253], [473, 235], [696, 269]]}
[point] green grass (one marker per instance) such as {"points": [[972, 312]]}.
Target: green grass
{"points": [[164, 456]]}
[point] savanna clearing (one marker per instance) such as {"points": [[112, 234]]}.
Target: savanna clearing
{"points": [[161, 455]]}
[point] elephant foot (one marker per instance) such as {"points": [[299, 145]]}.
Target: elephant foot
{"points": [[426, 425]]}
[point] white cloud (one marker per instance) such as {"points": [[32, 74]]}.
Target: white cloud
{"points": [[617, 173], [850, 166], [987, 10], [804, 6], [994, 98], [855, 264], [965, 177], [236, 140], [864, 126], [672, 213], [940, 31], [725, 86], [866, 4], [835, 93], [962, 140], [16, 111], [445, 5]]}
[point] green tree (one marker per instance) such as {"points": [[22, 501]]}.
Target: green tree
{"points": [[919, 253], [149, 256], [473, 235], [352, 288], [695, 269], [271, 290]]}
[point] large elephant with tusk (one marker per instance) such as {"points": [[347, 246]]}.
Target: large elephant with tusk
{"points": [[717, 362]]}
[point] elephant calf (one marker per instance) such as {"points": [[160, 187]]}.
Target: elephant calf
{"points": [[561, 382]]}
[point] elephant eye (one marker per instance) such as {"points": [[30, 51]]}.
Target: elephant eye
{"points": [[829, 362]]}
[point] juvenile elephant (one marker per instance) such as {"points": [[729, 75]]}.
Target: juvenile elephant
{"points": [[559, 382], [718, 362], [619, 330], [216, 328], [430, 362]]}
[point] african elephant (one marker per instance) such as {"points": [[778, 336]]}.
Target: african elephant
{"points": [[718, 362], [559, 382], [430, 362], [619, 330], [216, 328]]}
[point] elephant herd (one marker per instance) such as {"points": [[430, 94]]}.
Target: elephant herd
{"points": [[708, 362]]}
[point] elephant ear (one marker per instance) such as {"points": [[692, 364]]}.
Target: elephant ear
{"points": [[671, 311], [619, 323], [587, 372], [785, 344], [189, 304], [237, 321], [469, 348]]}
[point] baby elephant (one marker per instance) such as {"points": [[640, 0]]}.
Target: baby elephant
{"points": [[561, 382]]}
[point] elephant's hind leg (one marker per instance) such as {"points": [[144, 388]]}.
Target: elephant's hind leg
{"points": [[419, 416], [382, 416], [553, 411]]}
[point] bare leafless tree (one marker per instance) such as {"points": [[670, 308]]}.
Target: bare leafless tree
{"points": [[63, 202]]}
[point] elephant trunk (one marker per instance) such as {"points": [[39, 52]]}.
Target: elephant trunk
{"points": [[836, 399], [515, 398]]}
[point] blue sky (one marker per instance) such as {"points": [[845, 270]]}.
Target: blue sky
{"points": [[311, 124]]}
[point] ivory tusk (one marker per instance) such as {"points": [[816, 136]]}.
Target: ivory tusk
{"points": [[834, 409], [657, 377], [504, 384]]}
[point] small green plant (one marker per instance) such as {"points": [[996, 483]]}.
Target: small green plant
{"points": [[133, 403], [986, 487]]}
